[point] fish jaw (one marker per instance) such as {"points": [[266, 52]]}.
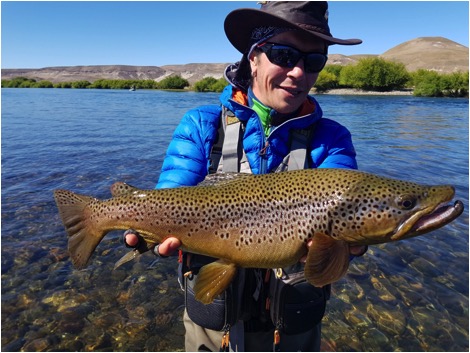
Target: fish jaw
{"points": [[428, 220]]}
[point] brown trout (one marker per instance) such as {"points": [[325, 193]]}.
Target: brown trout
{"points": [[263, 221]]}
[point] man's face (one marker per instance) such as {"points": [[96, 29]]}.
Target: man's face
{"points": [[284, 89]]}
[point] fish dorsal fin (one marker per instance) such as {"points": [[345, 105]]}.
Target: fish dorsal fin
{"points": [[213, 279], [120, 189], [219, 179], [327, 260]]}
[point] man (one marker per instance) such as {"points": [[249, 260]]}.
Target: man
{"points": [[266, 123]]}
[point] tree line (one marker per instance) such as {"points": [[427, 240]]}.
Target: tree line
{"points": [[372, 74], [376, 74]]}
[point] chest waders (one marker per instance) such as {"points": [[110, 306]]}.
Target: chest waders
{"points": [[279, 289]]}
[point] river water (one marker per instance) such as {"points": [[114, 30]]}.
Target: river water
{"points": [[407, 296]]}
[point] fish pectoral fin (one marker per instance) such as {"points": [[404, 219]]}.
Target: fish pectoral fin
{"points": [[327, 260], [213, 279]]}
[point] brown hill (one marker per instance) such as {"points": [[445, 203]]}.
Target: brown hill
{"points": [[191, 72], [431, 53], [89, 73]]}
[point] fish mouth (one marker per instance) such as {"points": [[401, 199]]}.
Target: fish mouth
{"points": [[423, 221]]}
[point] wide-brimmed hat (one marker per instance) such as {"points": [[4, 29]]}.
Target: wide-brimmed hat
{"points": [[308, 17]]}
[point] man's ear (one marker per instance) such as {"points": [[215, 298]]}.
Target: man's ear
{"points": [[254, 61]]}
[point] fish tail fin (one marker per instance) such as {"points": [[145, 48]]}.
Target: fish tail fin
{"points": [[83, 238]]}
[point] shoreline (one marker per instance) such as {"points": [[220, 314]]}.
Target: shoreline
{"points": [[358, 92]]}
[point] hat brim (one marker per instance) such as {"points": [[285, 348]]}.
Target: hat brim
{"points": [[239, 25]]}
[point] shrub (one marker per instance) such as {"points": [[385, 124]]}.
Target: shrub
{"points": [[81, 84], [326, 80], [375, 74], [210, 84], [173, 82], [43, 84]]}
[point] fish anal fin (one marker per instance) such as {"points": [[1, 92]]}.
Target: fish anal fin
{"points": [[143, 247], [121, 189], [327, 260], [213, 279]]}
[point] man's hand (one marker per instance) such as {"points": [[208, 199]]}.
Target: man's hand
{"points": [[358, 250], [165, 248]]}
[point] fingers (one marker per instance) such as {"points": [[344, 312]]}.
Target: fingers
{"points": [[168, 246], [358, 250], [131, 240]]}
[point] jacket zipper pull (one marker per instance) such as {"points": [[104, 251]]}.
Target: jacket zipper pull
{"points": [[262, 152]]}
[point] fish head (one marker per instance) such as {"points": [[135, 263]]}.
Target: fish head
{"points": [[384, 209]]}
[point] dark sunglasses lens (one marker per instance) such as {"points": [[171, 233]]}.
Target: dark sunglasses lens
{"points": [[314, 62], [285, 57], [289, 57]]}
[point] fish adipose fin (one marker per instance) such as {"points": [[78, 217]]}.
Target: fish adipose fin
{"points": [[213, 279], [327, 260], [83, 239]]}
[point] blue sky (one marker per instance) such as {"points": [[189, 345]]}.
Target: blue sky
{"points": [[62, 33]]}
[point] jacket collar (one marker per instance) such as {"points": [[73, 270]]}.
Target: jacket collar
{"points": [[237, 101]]}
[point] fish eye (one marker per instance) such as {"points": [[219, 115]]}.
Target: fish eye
{"points": [[406, 202]]}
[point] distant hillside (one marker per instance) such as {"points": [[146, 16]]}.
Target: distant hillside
{"points": [[191, 72], [431, 53]]}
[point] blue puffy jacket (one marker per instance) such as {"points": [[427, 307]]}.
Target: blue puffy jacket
{"points": [[188, 156]]}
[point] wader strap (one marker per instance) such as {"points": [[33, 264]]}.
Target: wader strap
{"points": [[216, 151], [227, 153], [232, 150], [298, 151]]}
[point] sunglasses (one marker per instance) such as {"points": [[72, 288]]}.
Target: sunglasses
{"points": [[285, 56]]}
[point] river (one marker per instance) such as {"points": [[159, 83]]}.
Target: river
{"points": [[406, 296]]}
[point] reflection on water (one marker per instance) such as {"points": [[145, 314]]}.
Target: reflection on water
{"points": [[408, 296]]}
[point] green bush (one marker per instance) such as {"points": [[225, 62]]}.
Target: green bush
{"points": [[27, 84], [426, 83], [454, 84], [173, 82], [210, 84], [326, 80], [81, 84], [63, 85], [19, 82], [375, 74], [432, 84], [43, 84]]}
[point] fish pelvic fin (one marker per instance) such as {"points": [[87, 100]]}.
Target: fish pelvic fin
{"points": [[83, 239], [213, 279], [121, 189], [327, 260]]}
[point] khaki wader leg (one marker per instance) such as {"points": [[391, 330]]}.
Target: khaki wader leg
{"points": [[199, 339]]}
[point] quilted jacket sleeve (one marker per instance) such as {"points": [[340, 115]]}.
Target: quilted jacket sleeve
{"points": [[332, 146], [187, 157]]}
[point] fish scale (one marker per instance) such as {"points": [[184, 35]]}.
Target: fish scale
{"points": [[263, 221]]}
